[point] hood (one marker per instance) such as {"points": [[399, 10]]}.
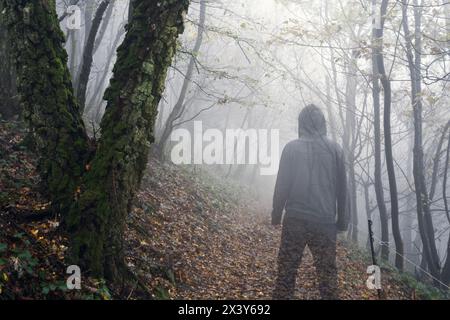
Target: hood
{"points": [[311, 122]]}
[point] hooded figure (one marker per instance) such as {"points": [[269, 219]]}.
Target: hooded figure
{"points": [[311, 187], [311, 122]]}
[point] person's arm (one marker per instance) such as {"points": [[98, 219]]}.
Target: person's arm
{"points": [[343, 216], [282, 186]]}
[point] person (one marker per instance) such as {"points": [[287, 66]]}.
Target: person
{"points": [[311, 187]]}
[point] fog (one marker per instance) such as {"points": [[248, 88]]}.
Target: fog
{"points": [[259, 62]]}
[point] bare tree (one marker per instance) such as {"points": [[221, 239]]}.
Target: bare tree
{"points": [[385, 81], [423, 210], [377, 133], [180, 105], [88, 53]]}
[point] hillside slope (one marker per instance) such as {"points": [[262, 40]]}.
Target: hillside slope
{"points": [[190, 236], [215, 242]]}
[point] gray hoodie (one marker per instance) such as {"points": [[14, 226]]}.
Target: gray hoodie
{"points": [[311, 183]]}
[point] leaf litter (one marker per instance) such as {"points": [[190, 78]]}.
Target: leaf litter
{"points": [[189, 236]]}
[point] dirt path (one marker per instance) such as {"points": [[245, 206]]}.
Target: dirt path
{"points": [[207, 247], [190, 236]]}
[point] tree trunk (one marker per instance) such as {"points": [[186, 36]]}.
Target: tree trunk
{"points": [[130, 10], [96, 100], [47, 97], [331, 120], [349, 141], [446, 268], [97, 220], [89, 7], [423, 211], [72, 37], [88, 53], [368, 213], [9, 106], [71, 45], [377, 135], [408, 217], [388, 141], [437, 160], [353, 197], [104, 26]]}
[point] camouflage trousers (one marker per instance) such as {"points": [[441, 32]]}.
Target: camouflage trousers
{"points": [[321, 241]]}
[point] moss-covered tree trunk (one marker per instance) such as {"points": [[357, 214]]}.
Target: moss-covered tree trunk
{"points": [[97, 219], [47, 97], [95, 192], [9, 106]]}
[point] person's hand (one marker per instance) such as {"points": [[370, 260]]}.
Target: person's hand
{"points": [[276, 219], [276, 222]]}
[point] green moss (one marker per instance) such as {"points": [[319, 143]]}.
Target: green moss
{"points": [[127, 131], [148, 68], [423, 291], [45, 89], [95, 220]]}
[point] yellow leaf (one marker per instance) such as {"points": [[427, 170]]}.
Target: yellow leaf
{"points": [[104, 296]]}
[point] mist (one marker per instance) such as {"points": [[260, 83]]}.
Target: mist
{"points": [[241, 73]]}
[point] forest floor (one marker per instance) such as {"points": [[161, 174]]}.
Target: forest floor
{"points": [[190, 236]]}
